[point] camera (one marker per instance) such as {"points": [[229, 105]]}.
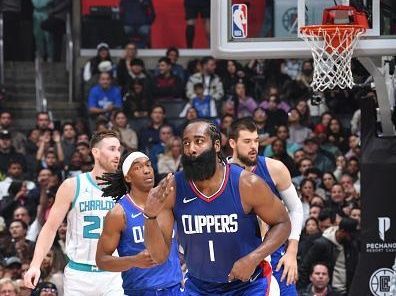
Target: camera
{"points": [[316, 99]]}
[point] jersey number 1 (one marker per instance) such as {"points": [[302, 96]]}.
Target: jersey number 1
{"points": [[211, 251]]}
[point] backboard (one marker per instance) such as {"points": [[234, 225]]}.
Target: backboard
{"points": [[271, 27]]}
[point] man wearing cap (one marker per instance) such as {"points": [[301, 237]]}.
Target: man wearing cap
{"points": [[130, 187], [7, 152], [337, 247], [104, 97], [12, 268], [320, 159]]}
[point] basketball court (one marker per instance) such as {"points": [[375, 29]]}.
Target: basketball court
{"points": [[332, 33]]}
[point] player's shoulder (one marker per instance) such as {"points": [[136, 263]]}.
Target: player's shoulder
{"points": [[275, 165]]}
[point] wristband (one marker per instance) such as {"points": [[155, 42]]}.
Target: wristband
{"points": [[148, 217]]}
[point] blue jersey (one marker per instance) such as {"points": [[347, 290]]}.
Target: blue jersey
{"points": [[261, 170], [132, 242], [214, 231]]}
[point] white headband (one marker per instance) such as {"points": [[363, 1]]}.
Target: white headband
{"points": [[126, 165]]}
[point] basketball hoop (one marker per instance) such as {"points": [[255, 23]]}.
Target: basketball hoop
{"points": [[332, 46]]}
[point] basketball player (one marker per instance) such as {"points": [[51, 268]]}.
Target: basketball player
{"points": [[123, 230], [215, 206], [81, 199], [244, 141]]}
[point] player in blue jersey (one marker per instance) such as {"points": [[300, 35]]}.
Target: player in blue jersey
{"points": [[244, 141], [214, 206], [123, 230]]}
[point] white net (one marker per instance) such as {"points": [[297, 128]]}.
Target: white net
{"points": [[332, 49]]}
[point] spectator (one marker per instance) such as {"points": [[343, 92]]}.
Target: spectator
{"points": [[43, 39], [319, 282], [127, 135], [149, 135], [137, 101], [336, 135], [356, 213], [244, 104], [354, 147], [260, 118], [21, 247], [321, 127], [282, 132], [17, 196], [8, 153], [170, 160], [280, 153], [91, 68], [49, 142], [43, 122], [337, 247], [14, 172], [166, 85], [298, 155], [352, 192], [137, 17], [314, 211], [52, 268], [211, 81], [194, 8], [172, 53], [165, 133], [337, 198], [320, 159], [68, 141], [309, 233], [83, 149], [8, 287], [34, 227], [193, 66], [225, 123], [124, 66], [32, 143], [305, 115], [104, 97], [276, 116], [353, 169], [328, 180], [83, 138], [50, 161], [62, 236], [74, 168], [47, 289], [18, 139], [190, 114], [233, 74], [55, 24], [303, 165], [304, 79], [203, 104], [307, 192], [298, 132]]}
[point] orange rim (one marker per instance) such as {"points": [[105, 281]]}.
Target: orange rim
{"points": [[318, 30]]}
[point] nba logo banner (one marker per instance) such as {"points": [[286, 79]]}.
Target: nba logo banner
{"points": [[239, 21]]}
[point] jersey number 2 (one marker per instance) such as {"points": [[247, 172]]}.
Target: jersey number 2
{"points": [[94, 224], [211, 251]]}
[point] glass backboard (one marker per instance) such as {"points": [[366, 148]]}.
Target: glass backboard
{"points": [[270, 29]]}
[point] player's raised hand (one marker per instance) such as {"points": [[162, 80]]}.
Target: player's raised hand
{"points": [[242, 269], [289, 262], [157, 196], [32, 277], [144, 260]]}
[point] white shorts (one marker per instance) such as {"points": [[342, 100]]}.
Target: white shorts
{"points": [[84, 283]]}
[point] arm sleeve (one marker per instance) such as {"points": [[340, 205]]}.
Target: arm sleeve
{"points": [[294, 206]]}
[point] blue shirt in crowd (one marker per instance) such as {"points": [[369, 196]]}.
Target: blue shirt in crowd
{"points": [[101, 98]]}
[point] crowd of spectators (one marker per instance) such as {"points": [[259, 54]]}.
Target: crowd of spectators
{"points": [[321, 151]]}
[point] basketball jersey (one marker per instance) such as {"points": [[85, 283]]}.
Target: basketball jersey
{"points": [[85, 220], [131, 243], [214, 231], [262, 171]]}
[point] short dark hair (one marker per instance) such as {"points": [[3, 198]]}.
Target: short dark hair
{"points": [[99, 136], [41, 113], [198, 85], [319, 263], [165, 59], [172, 48], [206, 59], [14, 161], [82, 144], [5, 111], [327, 213], [155, 106], [246, 123], [66, 124], [24, 225]]}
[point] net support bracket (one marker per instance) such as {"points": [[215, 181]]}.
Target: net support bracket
{"points": [[385, 108]]}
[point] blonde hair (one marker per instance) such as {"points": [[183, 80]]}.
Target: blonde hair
{"points": [[6, 281]]}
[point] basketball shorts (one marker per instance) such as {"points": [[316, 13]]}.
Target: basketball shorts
{"points": [[171, 291], [285, 290]]}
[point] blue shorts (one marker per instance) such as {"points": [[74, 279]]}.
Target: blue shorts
{"points": [[285, 290], [196, 287], [171, 291]]}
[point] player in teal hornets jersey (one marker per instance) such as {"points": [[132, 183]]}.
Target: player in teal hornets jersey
{"points": [[123, 230], [216, 217]]}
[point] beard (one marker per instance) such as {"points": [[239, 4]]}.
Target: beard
{"points": [[201, 167], [246, 160]]}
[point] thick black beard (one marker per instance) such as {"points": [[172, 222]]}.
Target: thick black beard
{"points": [[200, 168], [246, 161]]}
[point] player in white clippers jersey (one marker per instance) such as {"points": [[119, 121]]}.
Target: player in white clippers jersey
{"points": [[81, 199]]}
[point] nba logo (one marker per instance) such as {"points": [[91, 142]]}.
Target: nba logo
{"points": [[239, 21]]}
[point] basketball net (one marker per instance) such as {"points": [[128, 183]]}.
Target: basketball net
{"points": [[332, 47]]}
